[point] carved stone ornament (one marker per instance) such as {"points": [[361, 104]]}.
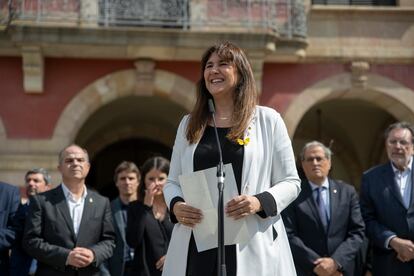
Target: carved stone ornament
{"points": [[359, 72], [33, 69], [144, 76]]}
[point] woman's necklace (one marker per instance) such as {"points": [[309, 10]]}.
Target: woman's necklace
{"points": [[225, 117], [158, 211]]}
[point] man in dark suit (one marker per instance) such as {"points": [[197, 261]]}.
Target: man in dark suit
{"points": [[126, 177], [9, 203], [324, 223], [69, 229], [36, 181], [387, 204]]}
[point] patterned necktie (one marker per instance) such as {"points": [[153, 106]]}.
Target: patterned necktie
{"points": [[321, 207]]}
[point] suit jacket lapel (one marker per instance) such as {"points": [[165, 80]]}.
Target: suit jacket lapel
{"points": [[334, 193], [389, 178], [411, 208], [119, 221], [308, 194], [62, 207], [87, 214], [249, 153]]}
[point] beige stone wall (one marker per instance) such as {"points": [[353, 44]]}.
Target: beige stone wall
{"points": [[406, 3], [370, 33], [336, 34]]}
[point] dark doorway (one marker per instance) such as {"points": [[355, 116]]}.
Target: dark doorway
{"points": [[103, 164]]}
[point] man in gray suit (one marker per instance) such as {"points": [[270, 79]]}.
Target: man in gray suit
{"points": [[126, 177], [69, 229]]}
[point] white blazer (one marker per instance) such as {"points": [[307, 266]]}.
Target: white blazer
{"points": [[268, 165]]}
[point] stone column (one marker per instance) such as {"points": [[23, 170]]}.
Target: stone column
{"points": [[257, 60]]}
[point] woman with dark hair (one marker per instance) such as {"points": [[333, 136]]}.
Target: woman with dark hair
{"points": [[255, 141], [149, 227]]}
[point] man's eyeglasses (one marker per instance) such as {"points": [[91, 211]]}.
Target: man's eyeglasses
{"points": [[403, 143], [317, 158]]}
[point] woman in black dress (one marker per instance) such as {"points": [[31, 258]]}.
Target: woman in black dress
{"points": [[149, 227]]}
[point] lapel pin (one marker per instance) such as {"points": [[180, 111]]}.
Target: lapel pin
{"points": [[334, 191], [90, 200]]}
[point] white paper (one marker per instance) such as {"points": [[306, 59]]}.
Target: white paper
{"points": [[200, 191]]}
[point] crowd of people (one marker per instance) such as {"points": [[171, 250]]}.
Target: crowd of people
{"points": [[308, 225]]}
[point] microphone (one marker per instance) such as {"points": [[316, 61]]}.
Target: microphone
{"points": [[213, 112], [221, 267]]}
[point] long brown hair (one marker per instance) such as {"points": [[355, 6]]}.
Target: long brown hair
{"points": [[244, 97], [158, 163]]}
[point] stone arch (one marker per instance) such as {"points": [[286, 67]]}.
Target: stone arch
{"points": [[383, 92], [148, 131], [378, 91], [116, 85]]}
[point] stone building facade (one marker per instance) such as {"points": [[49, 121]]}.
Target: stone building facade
{"points": [[116, 78]]}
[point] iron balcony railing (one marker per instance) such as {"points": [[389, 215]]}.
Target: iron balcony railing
{"points": [[287, 18]]}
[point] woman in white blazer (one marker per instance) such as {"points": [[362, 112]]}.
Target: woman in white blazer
{"points": [[254, 140]]}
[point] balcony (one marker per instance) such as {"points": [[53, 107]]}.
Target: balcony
{"points": [[285, 19]]}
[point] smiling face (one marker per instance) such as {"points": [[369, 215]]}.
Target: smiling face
{"points": [[316, 165], [399, 147], [220, 77], [74, 164]]}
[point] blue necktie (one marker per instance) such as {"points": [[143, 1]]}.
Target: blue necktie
{"points": [[33, 267], [321, 207]]}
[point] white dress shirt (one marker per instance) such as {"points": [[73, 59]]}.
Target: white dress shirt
{"points": [[404, 182], [75, 206], [324, 195]]}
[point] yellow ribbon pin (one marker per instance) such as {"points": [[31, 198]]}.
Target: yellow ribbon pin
{"points": [[243, 142]]}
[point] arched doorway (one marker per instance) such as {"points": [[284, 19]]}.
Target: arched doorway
{"points": [[130, 128], [116, 112], [155, 86], [351, 114], [353, 130], [105, 161]]}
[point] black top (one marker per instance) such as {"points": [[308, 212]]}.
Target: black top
{"points": [[148, 236], [206, 156], [128, 251]]}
